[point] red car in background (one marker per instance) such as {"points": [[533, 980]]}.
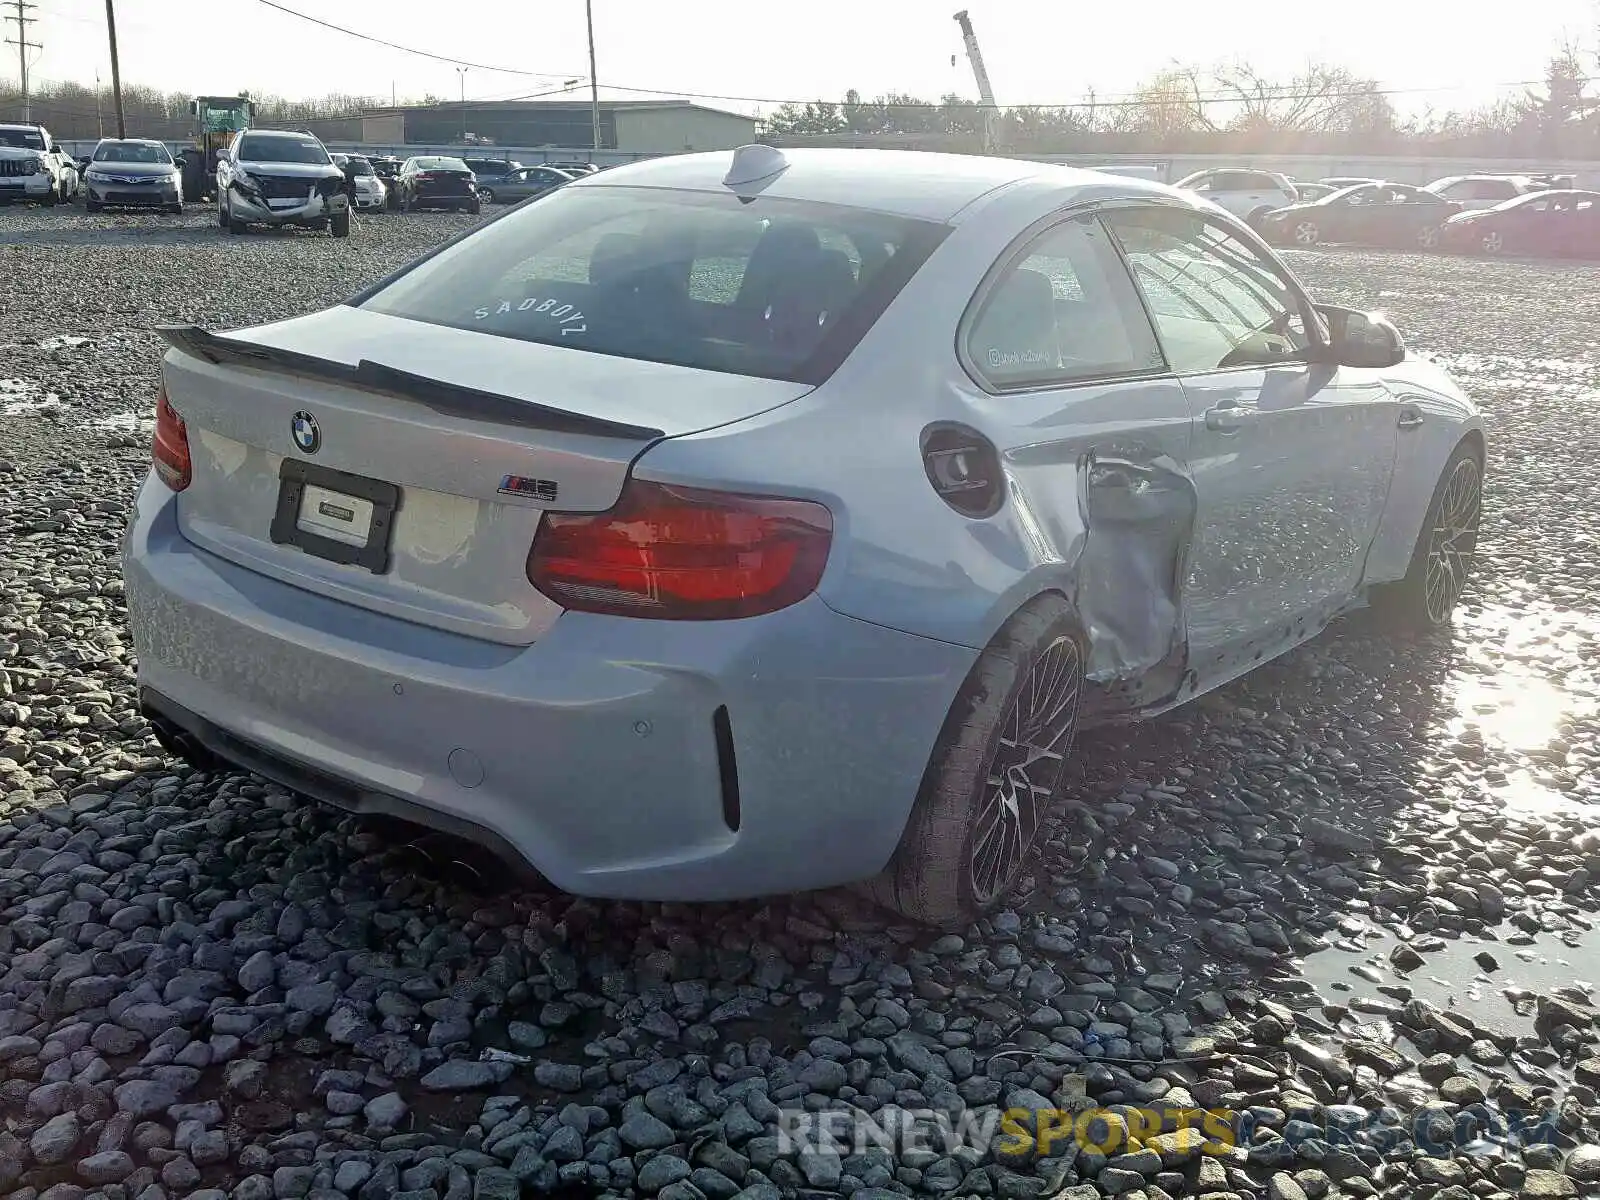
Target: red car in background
{"points": [[1554, 223]]}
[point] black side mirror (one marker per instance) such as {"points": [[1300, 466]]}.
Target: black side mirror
{"points": [[1362, 339]]}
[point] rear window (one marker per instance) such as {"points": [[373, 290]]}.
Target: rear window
{"points": [[769, 288], [264, 148]]}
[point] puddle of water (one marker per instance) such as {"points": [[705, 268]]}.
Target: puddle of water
{"points": [[127, 422], [20, 398], [1453, 980]]}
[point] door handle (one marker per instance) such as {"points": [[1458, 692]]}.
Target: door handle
{"points": [[1226, 418], [1410, 418]]}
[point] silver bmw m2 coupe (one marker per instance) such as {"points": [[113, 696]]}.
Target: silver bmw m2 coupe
{"points": [[739, 523]]}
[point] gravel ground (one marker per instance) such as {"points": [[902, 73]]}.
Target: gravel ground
{"points": [[1357, 887]]}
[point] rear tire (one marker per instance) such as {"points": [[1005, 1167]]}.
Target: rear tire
{"points": [[339, 224], [995, 770], [1441, 562], [474, 206], [1306, 233], [486, 195]]}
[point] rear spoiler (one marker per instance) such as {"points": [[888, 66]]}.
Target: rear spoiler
{"points": [[447, 398]]}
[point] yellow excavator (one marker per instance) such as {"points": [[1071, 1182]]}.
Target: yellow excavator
{"points": [[216, 120]]}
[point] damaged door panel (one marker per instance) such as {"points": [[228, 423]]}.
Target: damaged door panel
{"points": [[1139, 508]]}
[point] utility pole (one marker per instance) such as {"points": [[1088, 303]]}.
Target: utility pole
{"points": [[116, 70], [462, 72], [99, 114], [19, 14], [594, 80]]}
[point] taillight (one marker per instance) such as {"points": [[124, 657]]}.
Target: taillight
{"points": [[169, 451], [682, 554]]}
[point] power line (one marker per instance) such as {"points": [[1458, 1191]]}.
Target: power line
{"points": [[1128, 99], [23, 45], [367, 37]]}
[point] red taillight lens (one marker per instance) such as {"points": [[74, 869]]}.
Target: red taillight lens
{"points": [[682, 554], [170, 449]]}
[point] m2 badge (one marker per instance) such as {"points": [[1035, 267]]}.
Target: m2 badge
{"points": [[529, 489]]}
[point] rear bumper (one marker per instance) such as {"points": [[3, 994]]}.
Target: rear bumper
{"points": [[595, 754]]}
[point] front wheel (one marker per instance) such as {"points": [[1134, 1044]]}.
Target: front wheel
{"points": [[91, 206], [1445, 550], [995, 770], [1493, 242], [1306, 233], [339, 223], [53, 196], [1428, 237]]}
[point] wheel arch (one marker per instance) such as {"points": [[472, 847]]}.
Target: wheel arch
{"points": [[1417, 475]]}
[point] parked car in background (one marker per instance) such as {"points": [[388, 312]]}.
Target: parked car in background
{"points": [[366, 190], [133, 173], [1247, 194], [1484, 191], [34, 168], [521, 184], [1559, 223], [1369, 214], [277, 178], [573, 168], [1307, 192], [1340, 182], [387, 169], [547, 538], [491, 170], [437, 181]]}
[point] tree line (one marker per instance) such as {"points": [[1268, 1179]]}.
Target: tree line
{"points": [[1230, 109]]}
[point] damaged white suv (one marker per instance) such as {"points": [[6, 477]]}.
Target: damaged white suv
{"points": [[275, 177], [33, 168]]}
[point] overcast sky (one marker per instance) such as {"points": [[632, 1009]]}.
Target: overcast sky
{"points": [[1432, 53]]}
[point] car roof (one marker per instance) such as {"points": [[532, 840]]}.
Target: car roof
{"points": [[918, 184]]}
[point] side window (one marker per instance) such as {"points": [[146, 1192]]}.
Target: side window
{"points": [[1216, 302], [1063, 311]]}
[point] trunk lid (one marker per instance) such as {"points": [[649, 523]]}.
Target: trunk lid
{"points": [[470, 436]]}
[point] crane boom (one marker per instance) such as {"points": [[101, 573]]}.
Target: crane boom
{"points": [[979, 72], [975, 57]]}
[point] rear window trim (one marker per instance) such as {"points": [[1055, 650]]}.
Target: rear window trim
{"points": [[831, 352]]}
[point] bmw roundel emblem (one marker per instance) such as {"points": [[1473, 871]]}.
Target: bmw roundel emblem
{"points": [[307, 434]]}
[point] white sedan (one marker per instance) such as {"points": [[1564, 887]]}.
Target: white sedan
{"points": [[738, 523]]}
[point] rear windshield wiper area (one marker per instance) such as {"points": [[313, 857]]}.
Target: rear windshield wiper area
{"points": [[448, 399]]}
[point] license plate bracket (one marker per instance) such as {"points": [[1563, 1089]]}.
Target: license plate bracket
{"points": [[296, 478]]}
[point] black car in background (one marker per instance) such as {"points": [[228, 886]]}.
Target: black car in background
{"points": [[1561, 223], [1369, 214], [434, 181]]}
